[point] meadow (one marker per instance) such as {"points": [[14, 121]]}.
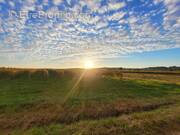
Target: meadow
{"points": [[89, 102]]}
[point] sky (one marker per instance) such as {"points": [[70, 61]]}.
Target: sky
{"points": [[111, 33]]}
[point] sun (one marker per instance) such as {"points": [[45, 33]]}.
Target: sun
{"points": [[88, 64]]}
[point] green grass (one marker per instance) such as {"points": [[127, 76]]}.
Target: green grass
{"points": [[27, 91], [52, 105]]}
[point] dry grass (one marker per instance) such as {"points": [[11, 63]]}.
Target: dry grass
{"points": [[40, 115], [157, 77]]}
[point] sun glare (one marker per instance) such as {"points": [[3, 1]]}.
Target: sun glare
{"points": [[88, 64]]}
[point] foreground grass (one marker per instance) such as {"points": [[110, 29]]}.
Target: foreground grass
{"points": [[165, 120], [93, 105]]}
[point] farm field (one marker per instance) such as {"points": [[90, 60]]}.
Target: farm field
{"points": [[89, 102]]}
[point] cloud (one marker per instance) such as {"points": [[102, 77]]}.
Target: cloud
{"points": [[101, 24], [57, 2], [157, 1], [116, 16], [112, 6], [116, 6], [171, 16], [88, 29]]}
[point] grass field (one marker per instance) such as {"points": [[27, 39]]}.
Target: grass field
{"points": [[89, 102]]}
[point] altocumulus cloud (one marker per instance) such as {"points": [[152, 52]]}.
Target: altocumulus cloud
{"points": [[62, 30]]}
